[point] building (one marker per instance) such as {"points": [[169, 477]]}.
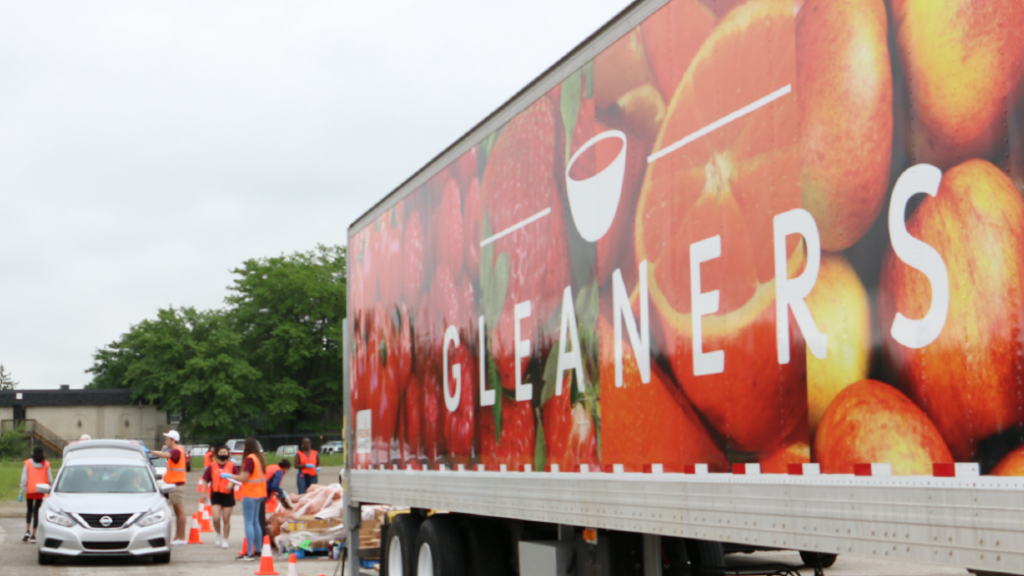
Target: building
{"points": [[55, 417]]}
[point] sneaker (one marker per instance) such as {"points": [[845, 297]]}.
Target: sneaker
{"points": [[224, 544], [32, 540], [250, 558], [241, 557], [218, 540], [179, 542], [26, 537]]}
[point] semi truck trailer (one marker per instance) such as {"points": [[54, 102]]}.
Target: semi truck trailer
{"points": [[729, 276]]}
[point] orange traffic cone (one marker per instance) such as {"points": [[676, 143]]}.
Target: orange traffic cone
{"points": [[245, 547], [199, 487], [266, 560], [193, 534], [206, 525], [293, 565]]}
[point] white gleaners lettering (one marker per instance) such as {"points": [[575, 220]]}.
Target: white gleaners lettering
{"points": [[523, 391], [451, 402], [790, 292], [919, 179], [702, 304], [486, 394], [569, 360], [639, 340]]}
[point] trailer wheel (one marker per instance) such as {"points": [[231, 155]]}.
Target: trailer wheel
{"points": [[439, 548], [484, 544], [708, 556], [812, 559], [674, 556], [398, 557]]}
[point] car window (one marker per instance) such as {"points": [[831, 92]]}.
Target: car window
{"points": [[104, 480], [158, 462]]}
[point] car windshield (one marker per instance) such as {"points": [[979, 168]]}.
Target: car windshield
{"points": [[104, 480]]}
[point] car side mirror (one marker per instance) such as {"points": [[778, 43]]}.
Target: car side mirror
{"points": [[166, 489], [43, 488], [159, 476]]}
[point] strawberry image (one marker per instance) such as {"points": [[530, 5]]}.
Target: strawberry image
{"points": [[433, 414], [412, 257], [450, 242], [570, 434], [473, 213], [402, 338], [466, 168], [383, 390], [459, 424], [518, 436], [520, 181], [467, 311], [412, 421], [445, 302]]}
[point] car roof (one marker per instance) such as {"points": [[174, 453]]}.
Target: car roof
{"points": [[105, 461], [116, 446]]}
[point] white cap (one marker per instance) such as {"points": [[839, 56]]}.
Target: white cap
{"points": [[173, 435], [84, 437]]}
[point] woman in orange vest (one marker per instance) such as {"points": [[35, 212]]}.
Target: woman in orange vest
{"points": [[222, 493], [253, 492], [308, 461], [36, 472]]}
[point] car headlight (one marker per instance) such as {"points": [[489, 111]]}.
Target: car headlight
{"points": [[153, 518], [59, 519]]}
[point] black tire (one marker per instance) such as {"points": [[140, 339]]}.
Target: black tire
{"points": [[439, 536], [402, 532], [164, 558], [707, 556], [484, 543], [677, 561], [811, 558], [46, 559]]}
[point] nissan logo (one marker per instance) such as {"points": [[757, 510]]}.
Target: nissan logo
{"points": [[106, 521]]}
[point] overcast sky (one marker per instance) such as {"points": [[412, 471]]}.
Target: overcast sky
{"points": [[147, 148]]}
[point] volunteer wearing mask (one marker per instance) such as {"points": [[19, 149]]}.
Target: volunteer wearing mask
{"points": [[309, 464], [36, 472], [253, 492], [222, 493]]}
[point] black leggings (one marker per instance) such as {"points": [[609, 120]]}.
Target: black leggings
{"points": [[32, 516]]}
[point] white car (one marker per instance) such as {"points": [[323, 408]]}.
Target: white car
{"points": [[105, 501], [333, 447]]}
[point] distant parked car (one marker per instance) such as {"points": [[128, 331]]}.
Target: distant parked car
{"points": [[288, 450], [237, 448], [333, 447]]}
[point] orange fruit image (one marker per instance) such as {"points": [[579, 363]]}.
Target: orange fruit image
{"points": [[964, 62], [969, 379], [672, 36], [730, 182], [840, 306], [872, 422], [648, 423], [1012, 464], [844, 86]]}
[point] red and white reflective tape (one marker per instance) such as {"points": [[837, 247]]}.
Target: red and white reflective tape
{"points": [[874, 469], [462, 468], [527, 468], [584, 468], [956, 470], [804, 469], [746, 468], [695, 469], [553, 468], [480, 468], [618, 468]]}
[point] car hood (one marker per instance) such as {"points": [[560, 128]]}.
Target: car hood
{"points": [[105, 503]]}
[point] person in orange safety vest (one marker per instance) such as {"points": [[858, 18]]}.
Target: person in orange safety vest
{"points": [[36, 472], [222, 493]]}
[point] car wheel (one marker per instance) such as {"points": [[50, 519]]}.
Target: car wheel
{"points": [[164, 558], [46, 559]]}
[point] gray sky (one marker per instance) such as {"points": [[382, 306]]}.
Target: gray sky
{"points": [[146, 148]]}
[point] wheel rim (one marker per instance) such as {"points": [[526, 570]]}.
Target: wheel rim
{"points": [[395, 567], [425, 561]]}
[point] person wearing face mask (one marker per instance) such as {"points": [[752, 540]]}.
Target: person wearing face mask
{"points": [[36, 472], [222, 493]]}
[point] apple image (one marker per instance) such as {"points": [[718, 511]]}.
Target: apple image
{"points": [[871, 422], [619, 68], [968, 379], [1012, 464], [964, 63], [795, 449], [672, 36], [841, 308], [844, 86]]}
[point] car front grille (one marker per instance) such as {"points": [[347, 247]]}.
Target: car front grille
{"points": [[116, 520], [104, 545]]}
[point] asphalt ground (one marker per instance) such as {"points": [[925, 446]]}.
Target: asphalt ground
{"points": [[18, 558]]}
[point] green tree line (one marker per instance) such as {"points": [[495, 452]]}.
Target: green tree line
{"points": [[269, 360]]}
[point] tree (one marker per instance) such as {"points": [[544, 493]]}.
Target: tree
{"points": [[289, 311], [7, 382]]}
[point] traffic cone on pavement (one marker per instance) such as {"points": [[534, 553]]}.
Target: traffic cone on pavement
{"points": [[293, 565], [266, 560], [245, 547], [205, 526], [199, 487], [193, 534]]}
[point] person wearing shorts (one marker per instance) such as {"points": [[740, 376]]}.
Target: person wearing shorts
{"points": [[36, 471], [222, 493], [175, 456]]}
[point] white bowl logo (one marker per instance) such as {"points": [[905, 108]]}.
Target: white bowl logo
{"points": [[594, 201]]}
